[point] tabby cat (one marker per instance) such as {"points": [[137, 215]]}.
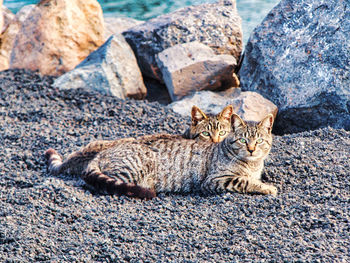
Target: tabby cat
{"points": [[209, 127], [152, 164], [205, 127]]}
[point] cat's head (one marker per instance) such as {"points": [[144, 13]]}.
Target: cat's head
{"points": [[250, 141], [208, 127]]}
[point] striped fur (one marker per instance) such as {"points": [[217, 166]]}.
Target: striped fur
{"points": [[152, 164], [207, 127], [217, 126]]}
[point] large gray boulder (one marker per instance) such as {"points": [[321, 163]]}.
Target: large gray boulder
{"points": [[111, 69], [216, 25], [299, 58]]}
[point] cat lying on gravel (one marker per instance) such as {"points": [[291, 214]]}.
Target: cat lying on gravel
{"points": [[206, 127], [165, 163]]}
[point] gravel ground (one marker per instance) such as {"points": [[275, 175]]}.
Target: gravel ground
{"points": [[57, 219]]}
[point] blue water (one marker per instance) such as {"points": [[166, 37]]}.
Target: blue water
{"points": [[251, 11]]}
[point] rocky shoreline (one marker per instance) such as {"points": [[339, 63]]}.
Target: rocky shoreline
{"points": [[57, 219], [295, 62]]}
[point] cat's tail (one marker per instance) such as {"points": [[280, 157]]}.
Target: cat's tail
{"points": [[54, 161], [109, 185], [94, 177]]}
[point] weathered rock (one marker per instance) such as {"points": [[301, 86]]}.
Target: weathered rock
{"points": [[58, 35], [299, 58], [1, 17], [8, 18], [194, 66], [8, 37], [216, 25], [112, 69], [117, 25], [251, 106]]}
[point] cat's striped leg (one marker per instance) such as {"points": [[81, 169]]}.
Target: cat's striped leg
{"points": [[104, 183], [54, 161], [244, 184]]}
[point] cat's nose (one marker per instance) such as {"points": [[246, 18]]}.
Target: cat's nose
{"points": [[215, 139], [251, 149]]}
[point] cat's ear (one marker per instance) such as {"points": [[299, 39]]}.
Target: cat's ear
{"points": [[227, 112], [197, 115], [267, 123], [237, 122]]}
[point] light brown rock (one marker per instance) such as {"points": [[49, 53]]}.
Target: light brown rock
{"points": [[12, 25], [193, 66], [1, 17], [251, 106], [8, 18], [58, 35]]}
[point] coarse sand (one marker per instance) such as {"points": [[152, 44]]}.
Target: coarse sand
{"points": [[58, 219]]}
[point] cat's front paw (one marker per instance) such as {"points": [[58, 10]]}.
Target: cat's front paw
{"points": [[269, 190]]}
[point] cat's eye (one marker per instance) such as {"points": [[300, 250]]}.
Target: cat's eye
{"points": [[222, 133], [260, 140], [205, 133], [242, 140]]}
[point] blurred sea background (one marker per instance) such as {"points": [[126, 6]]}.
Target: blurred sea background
{"points": [[251, 11]]}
